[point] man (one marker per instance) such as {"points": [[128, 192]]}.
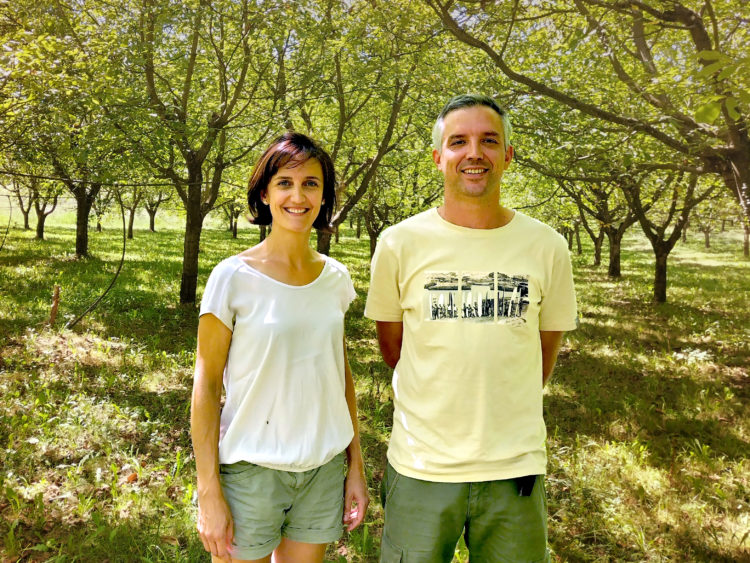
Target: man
{"points": [[471, 301]]}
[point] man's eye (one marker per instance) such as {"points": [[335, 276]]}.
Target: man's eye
{"points": [[312, 184], [457, 142], [491, 140]]}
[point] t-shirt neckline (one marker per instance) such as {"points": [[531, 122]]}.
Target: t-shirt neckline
{"points": [[477, 232], [281, 283]]}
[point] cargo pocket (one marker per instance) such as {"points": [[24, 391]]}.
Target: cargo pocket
{"points": [[388, 485], [389, 553]]}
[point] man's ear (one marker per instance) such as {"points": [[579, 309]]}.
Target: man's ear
{"points": [[436, 157], [509, 152]]}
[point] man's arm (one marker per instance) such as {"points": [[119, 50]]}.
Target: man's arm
{"points": [[551, 341], [390, 335]]}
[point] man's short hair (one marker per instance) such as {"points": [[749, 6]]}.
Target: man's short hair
{"points": [[466, 101]]}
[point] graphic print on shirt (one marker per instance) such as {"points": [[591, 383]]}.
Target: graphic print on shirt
{"points": [[476, 297], [441, 292]]}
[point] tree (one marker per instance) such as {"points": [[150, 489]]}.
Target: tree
{"points": [[56, 119], [203, 67], [404, 186], [129, 198], [24, 196], [675, 75], [101, 204], [152, 202], [670, 201]]}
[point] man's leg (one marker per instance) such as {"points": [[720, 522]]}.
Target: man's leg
{"points": [[423, 519], [505, 527]]}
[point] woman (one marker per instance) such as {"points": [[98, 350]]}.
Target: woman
{"points": [[271, 465]]}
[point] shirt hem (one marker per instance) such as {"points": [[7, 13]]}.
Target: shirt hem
{"points": [[472, 476]]}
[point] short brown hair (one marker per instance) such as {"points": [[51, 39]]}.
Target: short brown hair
{"points": [[291, 146]]}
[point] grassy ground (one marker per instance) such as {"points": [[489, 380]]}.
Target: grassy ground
{"points": [[647, 411]]}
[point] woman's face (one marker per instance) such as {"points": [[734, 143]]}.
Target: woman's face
{"points": [[295, 195]]}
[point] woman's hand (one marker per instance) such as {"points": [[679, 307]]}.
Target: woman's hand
{"points": [[215, 526], [356, 498]]}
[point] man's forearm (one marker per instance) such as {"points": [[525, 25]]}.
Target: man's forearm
{"points": [[551, 341]]}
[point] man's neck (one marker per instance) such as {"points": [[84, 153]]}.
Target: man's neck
{"points": [[475, 215]]}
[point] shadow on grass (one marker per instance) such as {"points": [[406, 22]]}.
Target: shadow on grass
{"points": [[153, 539], [607, 400]]}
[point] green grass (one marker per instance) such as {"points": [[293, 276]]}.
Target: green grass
{"points": [[647, 411]]}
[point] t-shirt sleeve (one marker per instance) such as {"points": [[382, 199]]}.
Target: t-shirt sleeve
{"points": [[384, 296], [558, 308], [350, 294], [216, 296]]}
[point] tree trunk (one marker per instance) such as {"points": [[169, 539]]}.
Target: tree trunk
{"points": [[660, 275], [684, 233], [84, 200], [707, 237], [337, 234], [151, 219], [40, 219], [324, 242], [578, 239], [359, 227], [235, 222], [131, 219], [723, 225], [615, 241], [24, 210], [193, 228], [598, 241], [746, 243], [373, 243], [98, 225]]}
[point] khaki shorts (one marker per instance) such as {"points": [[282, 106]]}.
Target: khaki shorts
{"points": [[424, 520], [266, 504]]}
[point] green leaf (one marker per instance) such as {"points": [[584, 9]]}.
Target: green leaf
{"points": [[732, 104], [711, 55], [707, 113], [727, 72], [710, 69]]}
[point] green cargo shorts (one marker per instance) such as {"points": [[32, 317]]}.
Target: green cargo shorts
{"points": [[266, 504], [424, 520]]}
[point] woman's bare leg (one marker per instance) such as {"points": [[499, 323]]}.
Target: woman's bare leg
{"points": [[290, 551]]}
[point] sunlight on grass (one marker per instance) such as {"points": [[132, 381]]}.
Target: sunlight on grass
{"points": [[647, 411]]}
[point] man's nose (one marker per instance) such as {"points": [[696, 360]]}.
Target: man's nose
{"points": [[475, 150]]}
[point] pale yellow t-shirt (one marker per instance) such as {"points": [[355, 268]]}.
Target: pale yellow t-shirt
{"points": [[468, 386]]}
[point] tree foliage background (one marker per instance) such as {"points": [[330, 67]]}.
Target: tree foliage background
{"points": [[631, 96]]}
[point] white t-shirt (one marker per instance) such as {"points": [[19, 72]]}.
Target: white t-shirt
{"points": [[468, 386], [285, 404]]}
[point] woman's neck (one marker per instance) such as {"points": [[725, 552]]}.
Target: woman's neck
{"points": [[290, 247]]}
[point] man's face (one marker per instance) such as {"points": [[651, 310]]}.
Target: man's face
{"points": [[473, 157]]}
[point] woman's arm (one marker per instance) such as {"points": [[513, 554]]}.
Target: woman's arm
{"points": [[215, 524], [356, 497]]}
